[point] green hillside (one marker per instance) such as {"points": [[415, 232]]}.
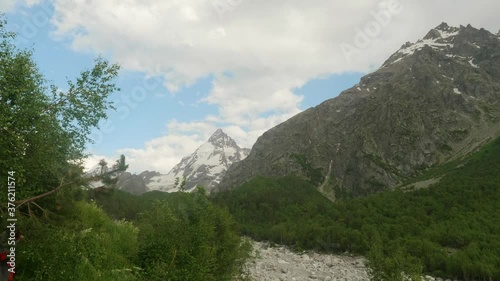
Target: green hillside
{"points": [[451, 229], [123, 205]]}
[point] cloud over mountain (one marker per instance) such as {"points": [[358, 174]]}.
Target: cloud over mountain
{"points": [[257, 52]]}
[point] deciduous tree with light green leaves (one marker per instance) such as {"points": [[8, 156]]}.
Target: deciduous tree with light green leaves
{"points": [[43, 130]]}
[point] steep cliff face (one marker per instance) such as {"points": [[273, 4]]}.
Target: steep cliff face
{"points": [[431, 101]]}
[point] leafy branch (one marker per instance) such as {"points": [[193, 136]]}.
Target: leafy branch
{"points": [[119, 167]]}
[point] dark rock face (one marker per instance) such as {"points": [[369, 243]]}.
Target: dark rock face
{"points": [[148, 175], [430, 102], [131, 183]]}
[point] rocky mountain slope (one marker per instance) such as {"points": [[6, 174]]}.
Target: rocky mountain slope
{"points": [[206, 166], [430, 102], [132, 183]]}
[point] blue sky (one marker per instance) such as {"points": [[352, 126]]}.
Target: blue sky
{"points": [[189, 68]]}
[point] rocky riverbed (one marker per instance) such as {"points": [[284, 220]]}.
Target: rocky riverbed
{"points": [[279, 263]]}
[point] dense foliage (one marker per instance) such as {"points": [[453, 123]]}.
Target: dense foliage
{"points": [[186, 237], [85, 244], [123, 205], [451, 229], [181, 237]]}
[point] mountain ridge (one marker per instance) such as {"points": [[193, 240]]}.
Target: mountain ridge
{"points": [[429, 102]]}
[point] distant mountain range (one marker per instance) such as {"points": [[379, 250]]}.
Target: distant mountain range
{"points": [[204, 167], [431, 102]]}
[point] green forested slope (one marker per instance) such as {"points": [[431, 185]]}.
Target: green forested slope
{"points": [[123, 205], [451, 229]]}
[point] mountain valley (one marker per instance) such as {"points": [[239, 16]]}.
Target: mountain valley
{"points": [[395, 179]]}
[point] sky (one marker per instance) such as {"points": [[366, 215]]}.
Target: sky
{"points": [[189, 67]]}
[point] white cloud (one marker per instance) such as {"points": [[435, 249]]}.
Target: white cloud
{"points": [[7, 5], [269, 47], [161, 154], [92, 161], [10, 5]]}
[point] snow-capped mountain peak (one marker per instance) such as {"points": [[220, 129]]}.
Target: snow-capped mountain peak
{"points": [[205, 166], [462, 42]]}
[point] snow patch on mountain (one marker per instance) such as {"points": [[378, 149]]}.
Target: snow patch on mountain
{"points": [[410, 50], [447, 33], [473, 64]]}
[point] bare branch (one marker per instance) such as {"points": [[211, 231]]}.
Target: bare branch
{"points": [[21, 202]]}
